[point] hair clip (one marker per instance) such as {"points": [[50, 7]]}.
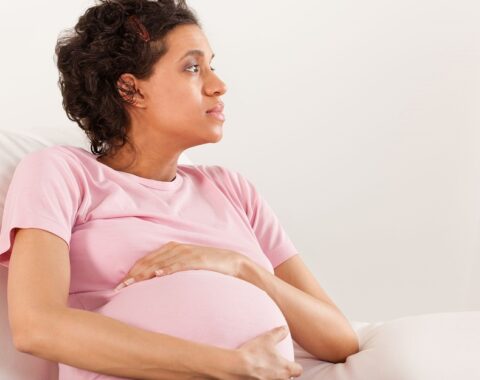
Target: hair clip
{"points": [[139, 27]]}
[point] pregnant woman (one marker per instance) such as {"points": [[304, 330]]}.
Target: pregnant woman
{"points": [[124, 263]]}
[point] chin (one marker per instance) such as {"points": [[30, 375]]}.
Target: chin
{"points": [[216, 133]]}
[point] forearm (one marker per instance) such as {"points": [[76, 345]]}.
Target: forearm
{"points": [[101, 344], [320, 328]]}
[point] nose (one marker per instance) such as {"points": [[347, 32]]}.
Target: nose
{"points": [[216, 87]]}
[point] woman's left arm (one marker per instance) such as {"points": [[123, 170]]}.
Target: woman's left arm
{"points": [[315, 322]]}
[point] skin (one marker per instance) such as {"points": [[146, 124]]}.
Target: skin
{"points": [[169, 111]]}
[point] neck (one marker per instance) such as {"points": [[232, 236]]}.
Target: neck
{"points": [[142, 165]]}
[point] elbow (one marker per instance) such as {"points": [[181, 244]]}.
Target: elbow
{"points": [[33, 334], [23, 342], [25, 335], [350, 346]]}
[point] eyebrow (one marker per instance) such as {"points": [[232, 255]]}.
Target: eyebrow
{"points": [[196, 52]]}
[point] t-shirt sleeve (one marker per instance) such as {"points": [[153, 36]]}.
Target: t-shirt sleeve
{"points": [[271, 235], [42, 193]]}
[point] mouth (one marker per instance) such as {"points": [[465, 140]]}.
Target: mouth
{"points": [[218, 115], [218, 108], [217, 111]]}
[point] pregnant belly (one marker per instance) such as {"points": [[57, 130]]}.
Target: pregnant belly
{"points": [[202, 306]]}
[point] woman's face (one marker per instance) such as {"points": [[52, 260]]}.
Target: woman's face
{"points": [[181, 90]]}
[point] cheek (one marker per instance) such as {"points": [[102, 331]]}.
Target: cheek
{"points": [[179, 95], [177, 100], [187, 103]]}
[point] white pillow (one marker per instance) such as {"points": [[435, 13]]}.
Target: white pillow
{"points": [[436, 346]]}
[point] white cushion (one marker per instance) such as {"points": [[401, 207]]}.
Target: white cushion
{"points": [[438, 346]]}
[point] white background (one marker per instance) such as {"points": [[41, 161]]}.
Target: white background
{"points": [[357, 121]]}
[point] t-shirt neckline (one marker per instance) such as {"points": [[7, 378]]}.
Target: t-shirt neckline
{"points": [[149, 182]]}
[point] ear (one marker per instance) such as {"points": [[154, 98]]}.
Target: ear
{"points": [[129, 89]]}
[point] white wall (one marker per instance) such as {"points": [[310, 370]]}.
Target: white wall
{"points": [[357, 121]]}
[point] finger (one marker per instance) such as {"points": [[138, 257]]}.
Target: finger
{"points": [[166, 266], [137, 273], [125, 283], [160, 252], [278, 333], [170, 268], [163, 260], [144, 268], [295, 369], [180, 258], [135, 278]]}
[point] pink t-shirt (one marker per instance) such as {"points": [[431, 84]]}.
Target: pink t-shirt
{"points": [[110, 219]]}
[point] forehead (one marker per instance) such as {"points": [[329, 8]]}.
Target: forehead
{"points": [[184, 38]]}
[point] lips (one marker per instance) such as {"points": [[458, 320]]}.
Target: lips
{"points": [[218, 108]]}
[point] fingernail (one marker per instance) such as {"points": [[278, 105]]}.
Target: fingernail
{"points": [[125, 283], [158, 272]]}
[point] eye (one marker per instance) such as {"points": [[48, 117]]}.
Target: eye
{"points": [[211, 68]]}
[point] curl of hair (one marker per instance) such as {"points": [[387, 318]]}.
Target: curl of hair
{"points": [[102, 46]]}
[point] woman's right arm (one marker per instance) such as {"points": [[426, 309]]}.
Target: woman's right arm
{"points": [[43, 325]]}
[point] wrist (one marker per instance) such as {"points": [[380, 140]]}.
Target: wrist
{"points": [[253, 273], [227, 364], [239, 264]]}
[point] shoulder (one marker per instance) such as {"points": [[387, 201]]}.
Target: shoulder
{"points": [[49, 164], [50, 154], [221, 175], [229, 181], [219, 172]]}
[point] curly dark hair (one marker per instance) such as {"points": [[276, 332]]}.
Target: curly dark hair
{"points": [[105, 43]]}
